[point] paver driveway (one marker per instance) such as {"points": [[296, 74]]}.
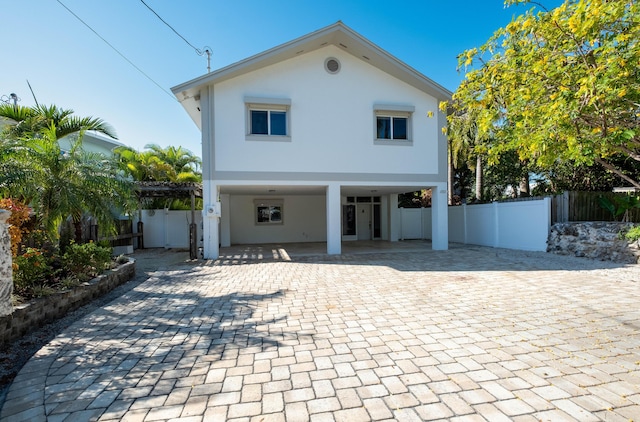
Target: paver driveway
{"points": [[467, 334]]}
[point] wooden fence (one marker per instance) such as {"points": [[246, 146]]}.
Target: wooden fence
{"points": [[585, 206]]}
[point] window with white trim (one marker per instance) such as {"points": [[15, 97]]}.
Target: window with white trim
{"points": [[268, 211], [393, 124], [268, 119]]}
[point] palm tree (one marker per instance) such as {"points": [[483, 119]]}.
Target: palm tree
{"points": [[184, 163], [57, 184], [159, 164], [25, 121], [465, 147], [142, 166]]}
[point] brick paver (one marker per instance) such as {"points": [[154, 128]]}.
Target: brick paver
{"points": [[466, 334]]}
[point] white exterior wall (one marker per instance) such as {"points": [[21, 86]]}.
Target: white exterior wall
{"points": [[480, 224], [332, 120], [304, 220], [522, 225], [168, 228]]}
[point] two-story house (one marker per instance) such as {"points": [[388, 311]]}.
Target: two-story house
{"points": [[313, 140]]}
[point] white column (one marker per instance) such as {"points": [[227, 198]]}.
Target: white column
{"points": [[211, 213], [225, 221], [334, 241], [394, 218], [439, 218]]}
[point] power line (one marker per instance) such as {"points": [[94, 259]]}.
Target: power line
{"points": [[205, 50], [171, 27], [116, 50]]}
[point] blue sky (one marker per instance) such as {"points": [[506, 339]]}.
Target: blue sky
{"points": [[68, 65]]}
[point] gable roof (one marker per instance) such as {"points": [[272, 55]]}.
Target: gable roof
{"points": [[338, 34]]}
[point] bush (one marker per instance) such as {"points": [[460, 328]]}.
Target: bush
{"points": [[31, 269], [633, 234], [87, 260]]}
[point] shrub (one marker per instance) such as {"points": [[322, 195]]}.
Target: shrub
{"points": [[633, 234], [17, 222], [87, 260], [30, 270]]}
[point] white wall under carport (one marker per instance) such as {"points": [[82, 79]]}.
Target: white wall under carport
{"points": [[520, 225], [168, 228]]}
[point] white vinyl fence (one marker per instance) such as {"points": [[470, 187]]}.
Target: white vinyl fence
{"points": [[520, 225], [168, 228]]}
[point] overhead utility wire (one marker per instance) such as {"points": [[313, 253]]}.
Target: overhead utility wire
{"points": [[116, 50], [206, 50]]}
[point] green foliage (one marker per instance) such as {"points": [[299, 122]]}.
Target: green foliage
{"points": [[59, 184], [558, 86], [633, 235], [619, 205], [31, 269], [87, 260], [157, 164]]}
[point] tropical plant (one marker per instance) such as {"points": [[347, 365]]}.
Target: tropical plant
{"points": [[87, 260], [17, 222], [559, 86], [465, 149], [157, 164], [59, 184], [619, 205], [28, 121]]}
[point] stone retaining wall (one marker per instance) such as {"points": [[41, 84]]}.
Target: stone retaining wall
{"points": [[595, 240], [32, 315]]}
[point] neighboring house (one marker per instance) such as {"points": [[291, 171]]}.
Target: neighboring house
{"points": [[92, 142], [313, 140]]}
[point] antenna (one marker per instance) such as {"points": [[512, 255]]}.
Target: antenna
{"points": [[7, 99], [206, 50], [34, 95]]}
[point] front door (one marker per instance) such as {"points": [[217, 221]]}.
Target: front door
{"points": [[363, 218]]}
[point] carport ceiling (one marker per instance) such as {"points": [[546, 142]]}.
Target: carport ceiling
{"points": [[280, 190]]}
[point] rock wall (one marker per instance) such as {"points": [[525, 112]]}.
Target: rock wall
{"points": [[36, 313], [595, 240], [6, 270]]}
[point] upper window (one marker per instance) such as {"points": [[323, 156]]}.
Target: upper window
{"points": [[268, 122], [390, 127], [268, 119], [393, 124]]}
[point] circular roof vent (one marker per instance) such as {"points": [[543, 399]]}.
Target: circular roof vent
{"points": [[332, 65]]}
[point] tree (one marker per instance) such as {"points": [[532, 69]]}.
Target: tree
{"points": [[28, 121], [559, 86], [58, 184], [184, 163], [466, 147], [63, 184], [159, 164]]}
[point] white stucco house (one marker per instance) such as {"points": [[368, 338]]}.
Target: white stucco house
{"points": [[313, 140], [92, 142]]}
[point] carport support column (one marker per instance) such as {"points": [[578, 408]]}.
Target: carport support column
{"points": [[394, 218], [211, 231], [439, 218], [334, 241], [225, 221]]}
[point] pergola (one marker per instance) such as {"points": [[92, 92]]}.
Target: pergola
{"points": [[171, 190]]}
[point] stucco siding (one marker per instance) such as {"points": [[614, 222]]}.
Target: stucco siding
{"points": [[304, 220], [332, 120]]}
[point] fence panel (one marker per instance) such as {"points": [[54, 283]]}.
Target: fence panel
{"points": [[411, 223], [585, 206]]}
